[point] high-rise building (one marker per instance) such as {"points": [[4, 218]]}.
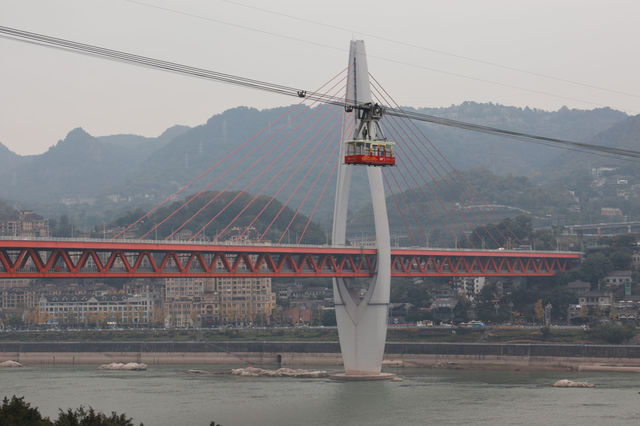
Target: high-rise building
{"points": [[215, 301]]}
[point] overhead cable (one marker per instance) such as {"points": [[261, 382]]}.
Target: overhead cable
{"points": [[120, 56]]}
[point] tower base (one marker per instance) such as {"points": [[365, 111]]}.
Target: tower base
{"points": [[346, 377]]}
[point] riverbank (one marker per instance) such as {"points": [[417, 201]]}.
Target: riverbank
{"points": [[490, 356], [305, 334]]}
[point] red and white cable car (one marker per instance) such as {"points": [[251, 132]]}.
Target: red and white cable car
{"points": [[369, 152]]}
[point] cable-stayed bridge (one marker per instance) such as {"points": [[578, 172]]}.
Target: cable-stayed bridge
{"points": [[286, 156]]}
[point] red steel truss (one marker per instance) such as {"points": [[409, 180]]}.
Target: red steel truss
{"points": [[105, 259]]}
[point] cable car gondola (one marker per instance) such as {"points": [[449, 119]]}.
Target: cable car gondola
{"points": [[369, 152]]}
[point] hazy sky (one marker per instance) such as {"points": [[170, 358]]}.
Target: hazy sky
{"points": [[45, 93]]}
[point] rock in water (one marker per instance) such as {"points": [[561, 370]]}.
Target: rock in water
{"points": [[571, 384], [130, 366], [10, 363], [281, 372]]}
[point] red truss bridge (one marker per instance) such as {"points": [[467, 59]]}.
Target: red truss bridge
{"points": [[154, 259]]}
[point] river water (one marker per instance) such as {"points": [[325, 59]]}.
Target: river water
{"points": [[166, 395]]}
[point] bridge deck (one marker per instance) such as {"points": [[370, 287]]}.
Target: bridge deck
{"points": [[94, 258]]}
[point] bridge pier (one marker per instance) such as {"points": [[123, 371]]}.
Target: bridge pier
{"points": [[362, 321]]}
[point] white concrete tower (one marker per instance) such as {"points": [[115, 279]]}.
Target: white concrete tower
{"points": [[362, 323]]}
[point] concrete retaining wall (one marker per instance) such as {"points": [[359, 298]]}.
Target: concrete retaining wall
{"points": [[445, 355]]}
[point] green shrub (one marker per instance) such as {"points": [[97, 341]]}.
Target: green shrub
{"points": [[613, 333], [16, 412]]}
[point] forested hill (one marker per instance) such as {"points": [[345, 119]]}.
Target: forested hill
{"points": [[446, 209]]}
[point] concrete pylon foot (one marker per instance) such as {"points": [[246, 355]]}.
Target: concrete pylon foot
{"points": [[350, 377]]}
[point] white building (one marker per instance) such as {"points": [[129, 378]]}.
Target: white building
{"points": [[96, 310], [470, 287]]}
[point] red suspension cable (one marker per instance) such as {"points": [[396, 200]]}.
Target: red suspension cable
{"points": [[424, 213], [395, 200], [195, 196], [465, 182], [410, 156], [264, 170], [324, 188], [284, 205], [273, 178], [210, 169], [253, 181], [310, 189], [445, 193], [404, 196], [313, 185]]}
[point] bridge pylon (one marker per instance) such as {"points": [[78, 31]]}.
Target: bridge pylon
{"points": [[362, 321]]}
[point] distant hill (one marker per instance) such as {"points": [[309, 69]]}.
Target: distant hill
{"points": [[624, 134], [506, 156], [264, 215], [493, 198], [96, 179]]}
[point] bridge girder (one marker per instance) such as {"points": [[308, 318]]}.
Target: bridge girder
{"points": [[97, 259]]}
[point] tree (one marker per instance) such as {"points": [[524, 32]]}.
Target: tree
{"points": [[62, 227], [89, 417], [595, 267], [14, 321], [489, 307], [328, 317], [620, 259], [614, 333], [539, 310], [158, 316], [584, 312], [16, 412]]}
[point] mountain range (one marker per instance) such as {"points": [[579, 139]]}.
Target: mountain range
{"points": [[100, 178]]}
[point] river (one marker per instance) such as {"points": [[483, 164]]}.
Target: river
{"points": [[166, 395]]}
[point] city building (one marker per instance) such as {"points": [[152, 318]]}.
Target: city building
{"points": [[595, 299], [183, 300], [299, 291], [446, 309], [579, 288], [610, 212], [17, 294], [616, 278], [191, 302], [24, 224], [298, 315], [469, 287], [245, 299], [108, 310], [626, 310]]}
